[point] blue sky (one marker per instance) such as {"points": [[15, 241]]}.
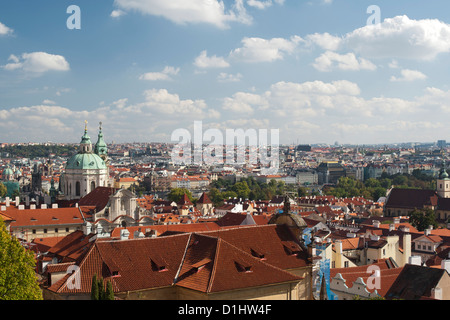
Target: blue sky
{"points": [[313, 69]]}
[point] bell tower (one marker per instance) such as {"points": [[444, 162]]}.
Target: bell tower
{"points": [[443, 183]]}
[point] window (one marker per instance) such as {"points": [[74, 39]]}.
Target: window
{"points": [[78, 189], [34, 231], [346, 264], [92, 185], [67, 229], [45, 230], [56, 230]]}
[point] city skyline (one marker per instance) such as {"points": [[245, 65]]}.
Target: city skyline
{"points": [[320, 71]]}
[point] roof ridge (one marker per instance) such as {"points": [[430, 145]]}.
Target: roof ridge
{"points": [[214, 269]]}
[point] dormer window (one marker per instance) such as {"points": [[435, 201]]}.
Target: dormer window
{"points": [[257, 254], [243, 268], [158, 266]]}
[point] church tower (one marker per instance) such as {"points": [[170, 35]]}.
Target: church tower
{"points": [[443, 184], [84, 171]]}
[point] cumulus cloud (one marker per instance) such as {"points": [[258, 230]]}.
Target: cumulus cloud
{"points": [[265, 50], [401, 37], [205, 62], [263, 4], [226, 77], [37, 63], [163, 75], [4, 30], [408, 76], [194, 11], [117, 13], [332, 60]]}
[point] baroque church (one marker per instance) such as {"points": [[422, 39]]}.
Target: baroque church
{"points": [[86, 170]]}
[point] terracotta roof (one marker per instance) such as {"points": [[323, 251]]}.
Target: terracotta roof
{"points": [[184, 201], [214, 265], [99, 197], [207, 262], [388, 274], [204, 199], [410, 198], [43, 217]]}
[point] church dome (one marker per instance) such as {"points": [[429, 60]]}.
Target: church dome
{"points": [[8, 172], [86, 161]]}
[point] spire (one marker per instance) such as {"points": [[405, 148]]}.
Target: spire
{"points": [[443, 174], [85, 144], [100, 147]]}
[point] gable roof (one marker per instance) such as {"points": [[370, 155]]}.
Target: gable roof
{"points": [[204, 199], [214, 265], [99, 197], [209, 262], [415, 282], [388, 273], [409, 198]]}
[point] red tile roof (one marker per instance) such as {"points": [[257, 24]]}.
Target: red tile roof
{"points": [[211, 261], [42, 217]]}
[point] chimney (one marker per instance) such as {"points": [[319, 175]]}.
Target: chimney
{"points": [[43, 206], [124, 234], [21, 207], [17, 201], [415, 260], [396, 220], [376, 223], [427, 232], [339, 263], [7, 201], [32, 206], [391, 227], [436, 293], [406, 248], [445, 264], [55, 206]]}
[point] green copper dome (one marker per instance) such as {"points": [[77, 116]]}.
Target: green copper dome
{"points": [[8, 172], [86, 161]]}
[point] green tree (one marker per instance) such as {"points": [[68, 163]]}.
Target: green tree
{"points": [[109, 294], [18, 279], [422, 219], [3, 190], [176, 194], [101, 289], [94, 288], [241, 189]]}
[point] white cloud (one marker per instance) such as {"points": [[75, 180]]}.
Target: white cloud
{"points": [[225, 77], [408, 76], [401, 37], [163, 75], [117, 13], [193, 11], [244, 103], [325, 40], [37, 63], [263, 4], [4, 30], [263, 50], [332, 60], [205, 62]]}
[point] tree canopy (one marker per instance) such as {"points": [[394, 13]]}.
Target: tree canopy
{"points": [[18, 280]]}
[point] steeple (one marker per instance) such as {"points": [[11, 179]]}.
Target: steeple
{"points": [[443, 183], [100, 147], [85, 144]]}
